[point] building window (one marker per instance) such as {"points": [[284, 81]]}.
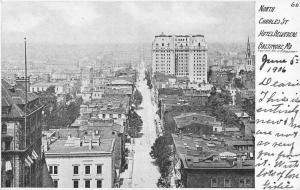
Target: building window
{"points": [[248, 183], [3, 128], [55, 183], [119, 115], [75, 183], [87, 184], [103, 115], [99, 183], [6, 145], [214, 182], [242, 182], [75, 169], [53, 169], [227, 183], [87, 169], [8, 183], [99, 169]]}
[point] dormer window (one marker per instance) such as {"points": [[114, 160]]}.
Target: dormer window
{"points": [[4, 129]]}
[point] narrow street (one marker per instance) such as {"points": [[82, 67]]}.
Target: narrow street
{"points": [[145, 173], [141, 169]]}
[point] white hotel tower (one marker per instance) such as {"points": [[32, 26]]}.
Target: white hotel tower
{"points": [[180, 55]]}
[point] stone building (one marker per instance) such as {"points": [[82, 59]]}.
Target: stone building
{"points": [[22, 161]]}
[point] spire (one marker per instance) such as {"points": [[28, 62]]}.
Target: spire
{"points": [[248, 53]]}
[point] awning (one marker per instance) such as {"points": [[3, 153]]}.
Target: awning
{"points": [[34, 155], [29, 159], [27, 163], [8, 166]]}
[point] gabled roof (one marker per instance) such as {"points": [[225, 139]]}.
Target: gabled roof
{"points": [[6, 97], [12, 98]]}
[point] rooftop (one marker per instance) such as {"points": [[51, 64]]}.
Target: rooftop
{"points": [[47, 84], [203, 153], [59, 147], [120, 82], [185, 119], [13, 99]]}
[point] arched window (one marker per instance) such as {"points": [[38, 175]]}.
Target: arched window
{"points": [[4, 128]]}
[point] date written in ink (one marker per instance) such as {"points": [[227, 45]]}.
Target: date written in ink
{"points": [[266, 60]]}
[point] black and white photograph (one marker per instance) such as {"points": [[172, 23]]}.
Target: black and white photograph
{"points": [[128, 94]]}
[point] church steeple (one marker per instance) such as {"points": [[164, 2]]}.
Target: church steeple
{"points": [[248, 53]]}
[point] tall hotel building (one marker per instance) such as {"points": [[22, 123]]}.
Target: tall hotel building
{"points": [[180, 55]]}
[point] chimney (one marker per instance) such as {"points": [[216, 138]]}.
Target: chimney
{"points": [[90, 145], [199, 148], [239, 163]]}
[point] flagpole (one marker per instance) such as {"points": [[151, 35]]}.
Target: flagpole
{"points": [[25, 92]]}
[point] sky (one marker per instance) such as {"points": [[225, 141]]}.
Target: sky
{"points": [[125, 22]]}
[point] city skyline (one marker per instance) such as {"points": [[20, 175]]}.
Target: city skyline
{"points": [[125, 22]]}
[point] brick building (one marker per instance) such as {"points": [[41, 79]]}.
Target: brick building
{"points": [[215, 163]]}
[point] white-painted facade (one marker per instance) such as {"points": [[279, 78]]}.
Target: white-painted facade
{"points": [[65, 176]]}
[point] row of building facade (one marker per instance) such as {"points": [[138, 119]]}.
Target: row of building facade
{"points": [[87, 154]]}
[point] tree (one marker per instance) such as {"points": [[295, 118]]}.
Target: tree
{"points": [[50, 90], [148, 78], [149, 83], [135, 124], [68, 97], [216, 102], [49, 100], [161, 152], [238, 83], [248, 106], [138, 98]]}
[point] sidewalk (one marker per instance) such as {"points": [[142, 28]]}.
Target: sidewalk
{"points": [[127, 174]]}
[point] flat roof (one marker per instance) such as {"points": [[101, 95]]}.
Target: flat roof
{"points": [[209, 157], [58, 147]]}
